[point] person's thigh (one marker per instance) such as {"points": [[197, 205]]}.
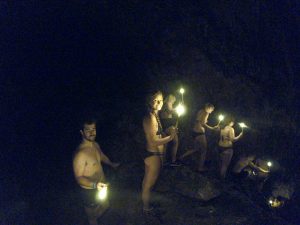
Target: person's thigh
{"points": [[226, 156], [153, 164]]}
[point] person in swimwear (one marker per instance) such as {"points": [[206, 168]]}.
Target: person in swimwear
{"points": [[247, 165], [168, 119], [88, 171], [227, 138], [154, 146], [200, 142]]}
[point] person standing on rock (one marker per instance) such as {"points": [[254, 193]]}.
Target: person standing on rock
{"points": [[154, 146], [200, 142], [88, 171], [168, 120], [227, 138]]}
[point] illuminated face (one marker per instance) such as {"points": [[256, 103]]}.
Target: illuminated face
{"points": [[231, 124], [209, 109], [172, 100], [89, 132], [157, 102]]}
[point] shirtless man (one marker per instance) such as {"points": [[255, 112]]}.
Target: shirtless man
{"points": [[89, 173], [200, 142]]}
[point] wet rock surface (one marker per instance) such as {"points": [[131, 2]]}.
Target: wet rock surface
{"points": [[181, 197]]}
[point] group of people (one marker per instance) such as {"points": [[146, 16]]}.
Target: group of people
{"points": [[160, 129]]}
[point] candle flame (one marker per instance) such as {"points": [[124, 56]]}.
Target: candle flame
{"points": [[180, 109], [221, 117], [242, 125]]}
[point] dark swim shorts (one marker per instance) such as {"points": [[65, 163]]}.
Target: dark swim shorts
{"points": [[89, 197]]}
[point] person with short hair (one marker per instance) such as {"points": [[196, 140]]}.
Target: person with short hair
{"points": [[154, 146], [199, 135], [168, 119], [88, 171]]}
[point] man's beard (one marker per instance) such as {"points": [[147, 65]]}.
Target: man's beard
{"points": [[91, 138]]}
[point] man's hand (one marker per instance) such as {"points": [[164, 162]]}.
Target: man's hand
{"points": [[101, 185]]}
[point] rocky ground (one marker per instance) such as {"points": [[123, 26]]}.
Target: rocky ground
{"points": [[181, 196]]}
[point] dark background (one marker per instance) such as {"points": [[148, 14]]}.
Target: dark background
{"points": [[65, 59]]}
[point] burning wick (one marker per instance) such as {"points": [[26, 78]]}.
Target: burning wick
{"points": [[242, 125], [102, 191], [180, 109], [221, 117], [271, 202]]}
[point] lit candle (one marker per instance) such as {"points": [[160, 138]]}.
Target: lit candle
{"points": [[180, 109], [102, 191], [221, 117], [242, 125], [181, 91]]}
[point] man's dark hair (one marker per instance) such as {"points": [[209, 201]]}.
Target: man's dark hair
{"points": [[209, 105], [87, 121]]}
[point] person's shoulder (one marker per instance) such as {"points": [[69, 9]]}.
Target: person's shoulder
{"points": [[229, 128], [149, 117], [81, 151]]}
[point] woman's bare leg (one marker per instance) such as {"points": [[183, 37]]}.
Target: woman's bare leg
{"points": [[152, 169], [201, 146], [174, 144], [225, 161]]}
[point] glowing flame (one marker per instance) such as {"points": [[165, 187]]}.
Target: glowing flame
{"points": [[242, 125], [102, 192], [221, 117], [270, 201], [269, 164], [181, 90], [180, 109]]}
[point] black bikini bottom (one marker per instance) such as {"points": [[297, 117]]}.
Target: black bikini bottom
{"points": [[149, 154], [196, 134], [223, 149]]}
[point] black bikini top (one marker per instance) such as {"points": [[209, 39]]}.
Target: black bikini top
{"points": [[160, 129]]}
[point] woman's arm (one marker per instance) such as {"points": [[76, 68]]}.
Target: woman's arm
{"points": [[150, 128], [232, 135], [251, 164]]}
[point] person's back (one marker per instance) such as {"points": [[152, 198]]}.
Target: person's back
{"points": [[201, 120], [226, 135]]}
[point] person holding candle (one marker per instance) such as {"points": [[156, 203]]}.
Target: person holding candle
{"points": [[248, 165], [227, 138], [88, 171], [168, 119], [154, 146], [200, 142]]}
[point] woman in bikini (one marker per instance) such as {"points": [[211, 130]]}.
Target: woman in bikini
{"points": [[227, 138], [154, 146]]}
